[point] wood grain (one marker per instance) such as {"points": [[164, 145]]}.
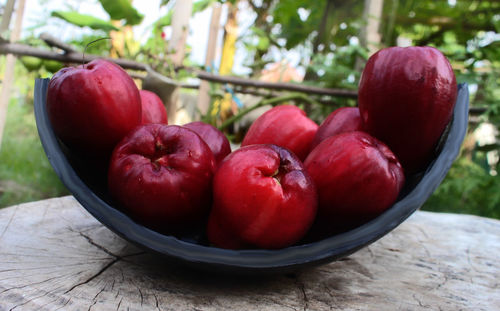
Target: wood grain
{"points": [[55, 256]]}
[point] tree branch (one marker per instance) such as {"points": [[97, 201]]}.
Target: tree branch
{"points": [[322, 26], [52, 41], [72, 57], [277, 86], [77, 58]]}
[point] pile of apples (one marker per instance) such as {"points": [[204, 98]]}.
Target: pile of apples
{"points": [[290, 180]]}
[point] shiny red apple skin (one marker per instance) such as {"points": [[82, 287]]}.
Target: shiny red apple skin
{"points": [[357, 178], [263, 198], [215, 139], [406, 99], [93, 106], [341, 120], [162, 176], [286, 126], [153, 110]]}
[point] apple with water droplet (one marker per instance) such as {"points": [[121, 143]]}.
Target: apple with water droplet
{"points": [[92, 107], [215, 139], [153, 109], [357, 177], [287, 126], [341, 120], [263, 198], [162, 176]]}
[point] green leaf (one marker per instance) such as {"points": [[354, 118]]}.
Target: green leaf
{"points": [[164, 2], [122, 9], [496, 24], [294, 30], [165, 20], [492, 50], [83, 20]]}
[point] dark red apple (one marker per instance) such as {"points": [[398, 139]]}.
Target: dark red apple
{"points": [[153, 110], [93, 106], [357, 178], [162, 175], [215, 139], [406, 99], [286, 126], [341, 120], [263, 198]]}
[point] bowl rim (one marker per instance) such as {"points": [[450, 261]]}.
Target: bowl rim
{"points": [[285, 259]]}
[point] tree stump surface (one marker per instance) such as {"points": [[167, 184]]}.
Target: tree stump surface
{"points": [[55, 256]]}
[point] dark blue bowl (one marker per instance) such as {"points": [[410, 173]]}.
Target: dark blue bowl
{"points": [[93, 197]]}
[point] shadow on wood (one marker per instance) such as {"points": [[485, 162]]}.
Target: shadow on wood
{"points": [[55, 255]]}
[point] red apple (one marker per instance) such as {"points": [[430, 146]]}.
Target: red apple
{"points": [[406, 99], [357, 178], [215, 139], [286, 126], [93, 106], [262, 198], [341, 120], [162, 175], [153, 110]]}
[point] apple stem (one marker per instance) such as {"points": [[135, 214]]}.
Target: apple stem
{"points": [[269, 101], [86, 46]]}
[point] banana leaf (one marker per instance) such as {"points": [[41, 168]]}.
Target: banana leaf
{"points": [[83, 20], [122, 9]]}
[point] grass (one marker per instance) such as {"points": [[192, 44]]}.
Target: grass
{"points": [[25, 173]]}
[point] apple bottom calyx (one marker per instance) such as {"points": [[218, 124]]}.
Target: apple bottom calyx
{"points": [[357, 176], [263, 198], [162, 176]]}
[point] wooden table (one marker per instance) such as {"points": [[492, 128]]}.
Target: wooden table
{"points": [[55, 256]]}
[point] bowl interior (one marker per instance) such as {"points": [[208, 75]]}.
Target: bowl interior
{"points": [[87, 185]]}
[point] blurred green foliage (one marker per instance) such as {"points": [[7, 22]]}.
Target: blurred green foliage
{"points": [[468, 189], [84, 20], [122, 10], [25, 172]]}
